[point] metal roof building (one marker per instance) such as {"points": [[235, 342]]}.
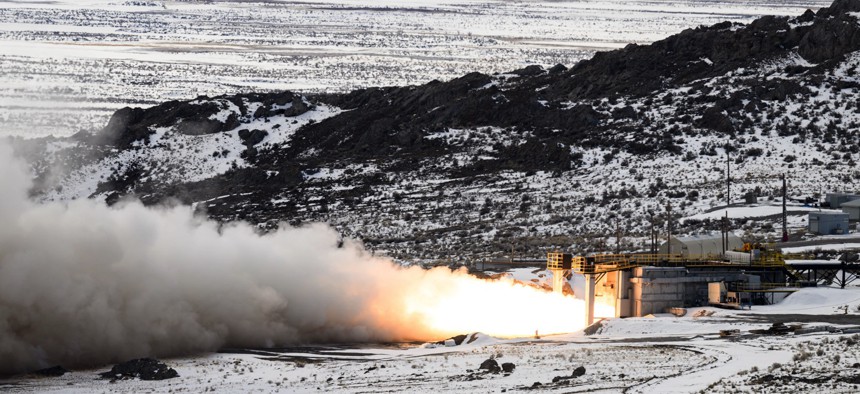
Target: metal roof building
{"points": [[852, 208], [837, 199], [701, 246]]}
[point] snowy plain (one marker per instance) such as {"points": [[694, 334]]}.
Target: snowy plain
{"points": [[65, 66]]}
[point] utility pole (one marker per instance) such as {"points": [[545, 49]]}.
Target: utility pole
{"points": [[653, 234], [669, 228], [723, 235], [728, 179], [617, 236], [784, 215]]}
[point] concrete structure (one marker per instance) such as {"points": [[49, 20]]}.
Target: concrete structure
{"points": [[701, 246], [828, 222], [655, 289], [837, 199], [715, 292], [617, 286], [852, 208]]}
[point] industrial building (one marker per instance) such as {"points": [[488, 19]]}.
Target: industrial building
{"points": [[709, 246], [641, 284], [638, 284], [835, 200], [714, 269], [828, 222], [852, 208]]}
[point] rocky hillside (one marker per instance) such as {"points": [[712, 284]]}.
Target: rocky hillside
{"points": [[529, 160]]}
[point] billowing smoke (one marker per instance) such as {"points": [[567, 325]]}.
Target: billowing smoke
{"points": [[85, 284]]}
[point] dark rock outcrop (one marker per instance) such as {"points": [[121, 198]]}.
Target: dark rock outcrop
{"points": [[142, 368], [54, 371], [776, 77], [579, 371], [195, 117], [252, 137], [557, 68], [529, 71]]}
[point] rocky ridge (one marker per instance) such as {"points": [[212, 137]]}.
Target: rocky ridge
{"points": [[529, 160]]}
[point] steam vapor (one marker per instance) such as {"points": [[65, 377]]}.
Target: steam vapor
{"points": [[83, 284]]}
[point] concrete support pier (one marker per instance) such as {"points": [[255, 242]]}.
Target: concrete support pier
{"points": [[589, 299]]}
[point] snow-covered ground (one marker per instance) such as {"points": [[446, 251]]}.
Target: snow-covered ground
{"points": [[664, 354], [756, 211], [829, 246], [67, 65]]}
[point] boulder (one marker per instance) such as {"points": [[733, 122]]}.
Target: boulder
{"points": [[252, 137], [491, 366]]}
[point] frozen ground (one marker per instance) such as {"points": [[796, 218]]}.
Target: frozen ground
{"points": [[664, 354], [67, 65]]}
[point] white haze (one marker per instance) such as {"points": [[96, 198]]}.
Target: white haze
{"points": [[82, 284]]}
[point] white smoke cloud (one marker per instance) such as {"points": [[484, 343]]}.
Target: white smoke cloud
{"points": [[84, 284]]}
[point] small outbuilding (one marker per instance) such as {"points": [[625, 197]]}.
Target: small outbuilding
{"points": [[701, 246], [852, 208], [824, 222], [835, 200]]}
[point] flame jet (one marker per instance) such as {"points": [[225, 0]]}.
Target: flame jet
{"points": [[83, 284]]}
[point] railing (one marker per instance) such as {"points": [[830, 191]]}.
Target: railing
{"points": [[556, 260], [799, 256], [614, 262], [763, 287]]}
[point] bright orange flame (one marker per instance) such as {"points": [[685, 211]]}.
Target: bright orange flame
{"points": [[461, 303]]}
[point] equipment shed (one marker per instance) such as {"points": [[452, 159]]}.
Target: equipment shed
{"points": [[828, 222]]}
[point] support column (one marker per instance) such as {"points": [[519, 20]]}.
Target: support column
{"points": [[558, 281], [622, 298], [589, 299], [842, 285]]}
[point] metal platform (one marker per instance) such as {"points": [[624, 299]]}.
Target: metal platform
{"points": [[772, 266]]}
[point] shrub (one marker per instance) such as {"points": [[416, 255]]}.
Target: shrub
{"points": [[802, 356], [754, 152]]}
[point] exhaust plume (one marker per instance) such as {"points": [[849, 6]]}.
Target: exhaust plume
{"points": [[83, 284]]}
